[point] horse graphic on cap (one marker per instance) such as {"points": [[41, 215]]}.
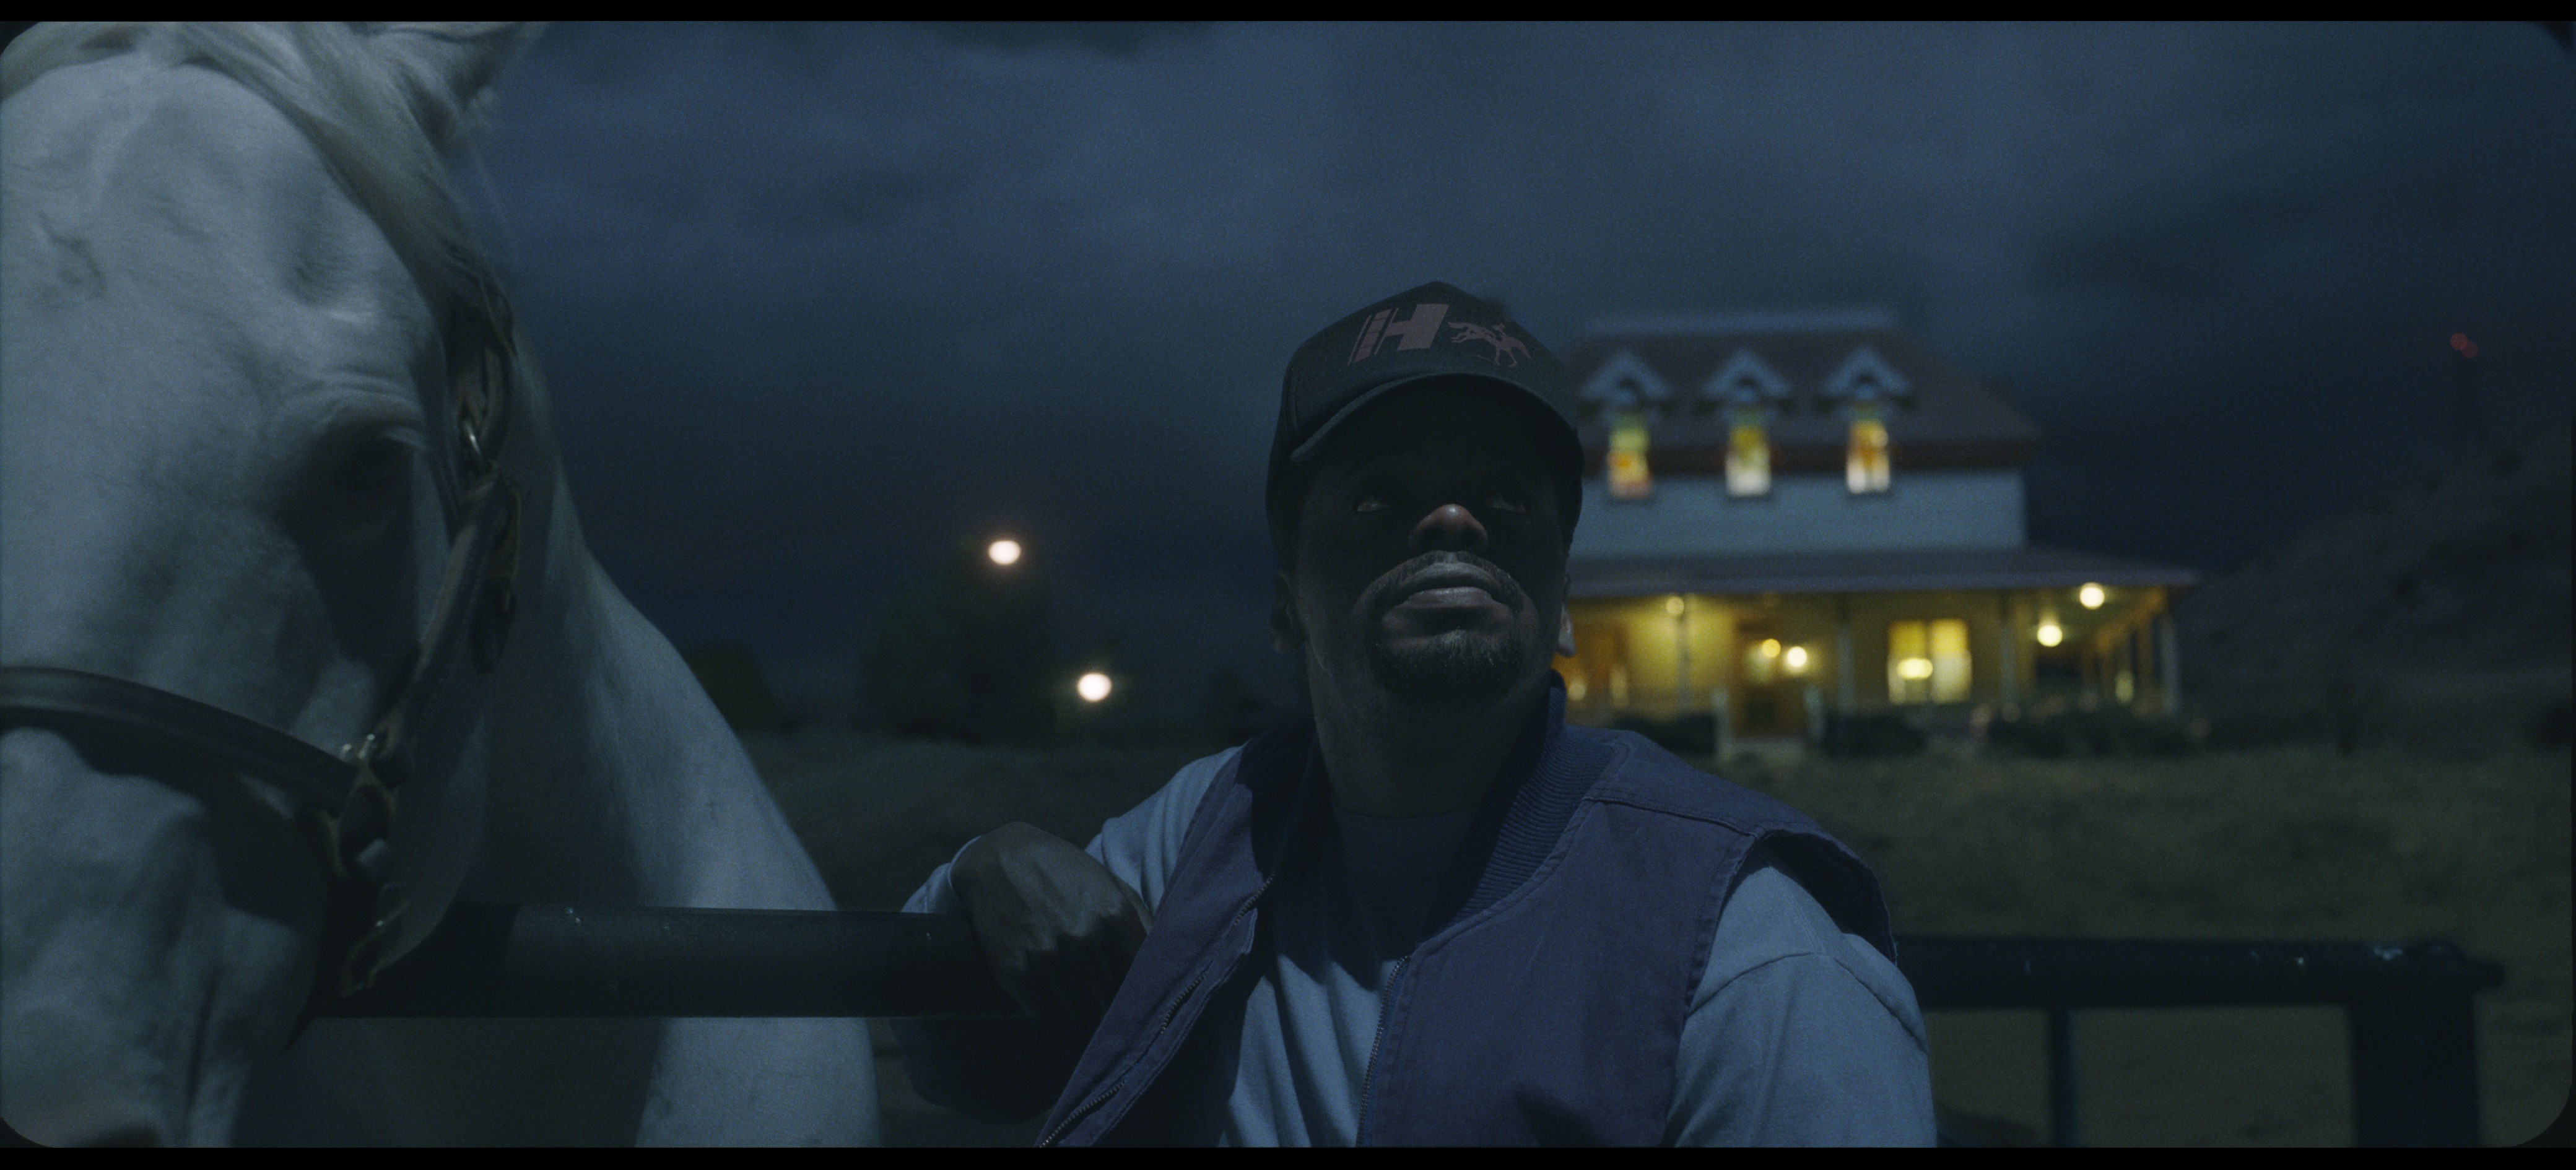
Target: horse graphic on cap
{"points": [[1508, 350]]}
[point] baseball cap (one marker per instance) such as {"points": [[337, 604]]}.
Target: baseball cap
{"points": [[1433, 331]]}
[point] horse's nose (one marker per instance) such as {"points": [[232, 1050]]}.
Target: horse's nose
{"points": [[129, 1134], [91, 1125]]}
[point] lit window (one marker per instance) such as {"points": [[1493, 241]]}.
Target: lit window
{"points": [[1927, 662], [1748, 453], [1628, 477], [1865, 465]]}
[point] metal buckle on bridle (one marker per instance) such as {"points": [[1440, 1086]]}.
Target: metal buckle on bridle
{"points": [[357, 841]]}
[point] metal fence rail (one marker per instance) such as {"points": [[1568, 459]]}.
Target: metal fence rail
{"points": [[2414, 1071], [2406, 1010]]}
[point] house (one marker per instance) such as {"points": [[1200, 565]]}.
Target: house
{"points": [[1788, 515]]}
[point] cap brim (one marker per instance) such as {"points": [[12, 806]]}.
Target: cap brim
{"points": [[1305, 451]]}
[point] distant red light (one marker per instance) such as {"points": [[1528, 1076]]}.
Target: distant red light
{"points": [[2470, 351], [2460, 342]]}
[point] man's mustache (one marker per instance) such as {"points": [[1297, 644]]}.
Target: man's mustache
{"points": [[1392, 587]]}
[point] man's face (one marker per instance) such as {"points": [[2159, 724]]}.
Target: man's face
{"points": [[1430, 551]]}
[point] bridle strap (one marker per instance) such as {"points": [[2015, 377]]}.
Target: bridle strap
{"points": [[130, 713], [486, 542], [351, 797]]}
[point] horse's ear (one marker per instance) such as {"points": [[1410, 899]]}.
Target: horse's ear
{"points": [[449, 69]]}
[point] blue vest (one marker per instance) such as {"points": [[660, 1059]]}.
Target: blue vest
{"points": [[1546, 1005]]}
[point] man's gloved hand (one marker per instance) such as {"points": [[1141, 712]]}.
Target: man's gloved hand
{"points": [[1056, 927]]}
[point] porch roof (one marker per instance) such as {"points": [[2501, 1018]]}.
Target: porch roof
{"points": [[1890, 571]]}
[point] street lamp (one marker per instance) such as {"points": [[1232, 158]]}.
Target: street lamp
{"points": [[1093, 687], [1005, 552]]}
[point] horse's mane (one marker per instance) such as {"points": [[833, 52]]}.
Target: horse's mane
{"points": [[385, 104]]}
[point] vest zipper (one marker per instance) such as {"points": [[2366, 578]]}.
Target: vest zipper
{"points": [[1106, 1095], [1385, 997]]}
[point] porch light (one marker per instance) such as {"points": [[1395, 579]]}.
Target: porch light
{"points": [[2050, 633], [1093, 687], [1914, 669], [1005, 552], [1795, 658], [2090, 595]]}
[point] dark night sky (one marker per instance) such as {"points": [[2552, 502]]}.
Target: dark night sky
{"points": [[817, 301]]}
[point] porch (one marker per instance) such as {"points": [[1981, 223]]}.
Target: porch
{"points": [[1772, 645]]}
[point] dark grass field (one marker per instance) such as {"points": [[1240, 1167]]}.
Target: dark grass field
{"points": [[2290, 843]]}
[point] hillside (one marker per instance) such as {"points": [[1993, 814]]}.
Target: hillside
{"points": [[2434, 615]]}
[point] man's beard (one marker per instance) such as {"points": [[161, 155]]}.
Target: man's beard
{"points": [[1457, 668]]}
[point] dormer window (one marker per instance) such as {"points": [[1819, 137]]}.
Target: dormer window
{"points": [[1745, 390], [1864, 375], [1865, 383], [1625, 384]]}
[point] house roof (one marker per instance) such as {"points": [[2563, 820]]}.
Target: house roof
{"points": [[1805, 370], [1894, 571]]}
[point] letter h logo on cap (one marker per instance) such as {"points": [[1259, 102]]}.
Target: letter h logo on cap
{"points": [[1416, 331]]}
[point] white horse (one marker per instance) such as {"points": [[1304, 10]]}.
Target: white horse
{"points": [[244, 341]]}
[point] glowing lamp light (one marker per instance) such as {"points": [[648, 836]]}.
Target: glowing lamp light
{"points": [[2050, 634], [1770, 647], [1004, 552], [1916, 669], [1795, 659], [2090, 595], [2461, 342], [1673, 605], [1093, 687]]}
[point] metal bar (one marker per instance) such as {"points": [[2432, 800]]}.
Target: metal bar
{"points": [[2413, 1046], [507, 959], [2061, 1079], [1954, 973], [2414, 1068], [497, 960]]}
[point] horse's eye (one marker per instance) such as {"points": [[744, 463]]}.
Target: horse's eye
{"points": [[372, 470]]}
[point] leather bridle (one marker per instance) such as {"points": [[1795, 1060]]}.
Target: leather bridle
{"points": [[351, 799]]}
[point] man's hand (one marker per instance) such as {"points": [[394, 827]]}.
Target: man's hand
{"points": [[1057, 928]]}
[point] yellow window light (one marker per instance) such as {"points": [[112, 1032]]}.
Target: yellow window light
{"points": [[1629, 479], [1865, 462], [2090, 595], [1748, 453], [1770, 647], [1914, 668]]}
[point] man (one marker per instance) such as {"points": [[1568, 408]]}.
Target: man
{"points": [[1435, 913]]}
